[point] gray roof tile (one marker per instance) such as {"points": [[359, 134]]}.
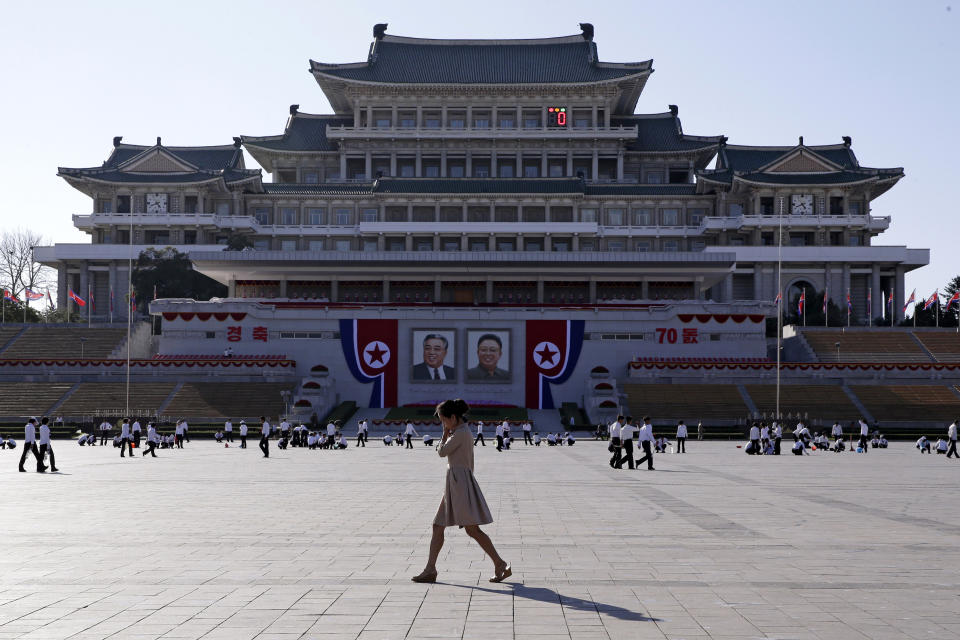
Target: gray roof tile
{"points": [[304, 132]]}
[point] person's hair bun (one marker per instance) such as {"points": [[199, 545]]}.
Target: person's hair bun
{"points": [[451, 408]]}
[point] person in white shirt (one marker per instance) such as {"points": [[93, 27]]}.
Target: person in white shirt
{"points": [[284, 429], [427, 439], [265, 437], [228, 430], [777, 436], [923, 444], [360, 442], [126, 442], [331, 432], [388, 440], [186, 431], [864, 431], [105, 428], [243, 434], [152, 440], [798, 448], [135, 433], [409, 433], [179, 433], [754, 439], [627, 429], [952, 437], [681, 437], [116, 441], [479, 435], [646, 440], [218, 436], [499, 433], [312, 441], [570, 440], [366, 431], [764, 435], [527, 433], [836, 431], [804, 435], [551, 439], [82, 440], [45, 446], [506, 433], [342, 442], [614, 447], [941, 446], [536, 439]]}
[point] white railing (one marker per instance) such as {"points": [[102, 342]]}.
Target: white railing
{"points": [[89, 220], [481, 132], [721, 223]]}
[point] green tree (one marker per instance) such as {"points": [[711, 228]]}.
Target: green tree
{"points": [[950, 316], [171, 275], [238, 242], [13, 312], [814, 315]]}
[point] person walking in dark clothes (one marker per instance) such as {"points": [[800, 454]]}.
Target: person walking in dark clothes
{"points": [[243, 434], [152, 440], [646, 441], [45, 446], [952, 437], [615, 443], [30, 445]]}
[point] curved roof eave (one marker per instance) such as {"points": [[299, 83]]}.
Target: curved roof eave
{"points": [[483, 85]]}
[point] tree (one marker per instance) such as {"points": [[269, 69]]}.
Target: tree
{"points": [[171, 275], [238, 242], [814, 314], [18, 269], [950, 316]]}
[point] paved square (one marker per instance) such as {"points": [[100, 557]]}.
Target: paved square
{"points": [[220, 543]]}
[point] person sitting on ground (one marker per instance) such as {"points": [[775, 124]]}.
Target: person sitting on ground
{"points": [[883, 441], [551, 439], [923, 444], [10, 443], [82, 440], [536, 439], [116, 441], [282, 442], [570, 439], [875, 443], [218, 436], [839, 445], [388, 440], [399, 439], [3, 442], [427, 439], [342, 442], [798, 448], [941, 446]]}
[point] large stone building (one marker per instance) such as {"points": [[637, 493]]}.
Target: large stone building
{"points": [[509, 176]]}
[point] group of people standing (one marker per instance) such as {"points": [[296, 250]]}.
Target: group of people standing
{"points": [[30, 441]]}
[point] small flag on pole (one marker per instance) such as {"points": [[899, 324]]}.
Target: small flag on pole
{"points": [[49, 299], [910, 300], [954, 298], [32, 295], [77, 299], [849, 304], [931, 300], [133, 300], [778, 299], [154, 292], [826, 296], [800, 303], [111, 301], [9, 296]]}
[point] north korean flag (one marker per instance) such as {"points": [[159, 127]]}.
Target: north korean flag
{"points": [[552, 350], [370, 349]]}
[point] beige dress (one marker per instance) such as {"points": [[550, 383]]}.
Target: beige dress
{"points": [[463, 502]]}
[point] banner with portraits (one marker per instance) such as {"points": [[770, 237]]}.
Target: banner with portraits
{"points": [[433, 354]]}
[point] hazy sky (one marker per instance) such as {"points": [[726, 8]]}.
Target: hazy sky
{"points": [[201, 72]]}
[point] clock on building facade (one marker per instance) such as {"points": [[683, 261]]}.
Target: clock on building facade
{"points": [[801, 205], [156, 203]]}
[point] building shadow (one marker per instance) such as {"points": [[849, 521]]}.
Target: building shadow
{"points": [[543, 594]]}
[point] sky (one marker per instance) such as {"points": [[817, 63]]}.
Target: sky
{"points": [[199, 73]]}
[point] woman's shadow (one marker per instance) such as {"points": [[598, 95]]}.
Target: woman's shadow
{"points": [[542, 594]]}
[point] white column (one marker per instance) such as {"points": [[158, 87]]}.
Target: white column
{"points": [[469, 164], [570, 164], [594, 166], [393, 163], [418, 170], [443, 163], [343, 166], [368, 165], [620, 166], [543, 164]]}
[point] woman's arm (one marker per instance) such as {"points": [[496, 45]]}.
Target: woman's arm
{"points": [[448, 444]]}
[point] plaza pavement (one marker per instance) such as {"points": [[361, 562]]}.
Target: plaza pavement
{"points": [[222, 544]]}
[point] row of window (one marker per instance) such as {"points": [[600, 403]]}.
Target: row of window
{"points": [[191, 204], [833, 206], [478, 119], [556, 244], [616, 217]]}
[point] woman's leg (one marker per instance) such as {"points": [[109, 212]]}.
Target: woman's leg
{"points": [[436, 543], [486, 544]]}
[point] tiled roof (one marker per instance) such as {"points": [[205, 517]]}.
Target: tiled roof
{"points": [[304, 132], [206, 158], [329, 189], [478, 185], [395, 59], [663, 132], [641, 189], [835, 177], [112, 175], [747, 159]]}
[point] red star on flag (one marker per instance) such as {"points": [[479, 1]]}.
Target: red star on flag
{"points": [[376, 354], [546, 355]]}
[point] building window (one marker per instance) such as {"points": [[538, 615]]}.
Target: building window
{"points": [[836, 205], [654, 177], [481, 123], [506, 123], [671, 217], [288, 216], [223, 208], [506, 170], [481, 171], [369, 245], [123, 204], [531, 171], [766, 206], [853, 241], [735, 209], [581, 123], [643, 246], [679, 176], [369, 215], [615, 217], [588, 245], [560, 245], [261, 244], [505, 245], [588, 215], [316, 216], [288, 245], [316, 245], [535, 244], [531, 123], [383, 123], [697, 216], [397, 244], [853, 207], [311, 177], [641, 217], [457, 123], [431, 123], [456, 170], [698, 245], [424, 244], [671, 246], [451, 244], [407, 170], [262, 215], [555, 170], [343, 245], [431, 171], [478, 245], [615, 245], [344, 217], [408, 123]]}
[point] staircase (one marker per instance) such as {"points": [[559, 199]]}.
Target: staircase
{"points": [[140, 343]]}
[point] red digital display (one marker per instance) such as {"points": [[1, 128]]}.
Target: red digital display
{"points": [[556, 117]]}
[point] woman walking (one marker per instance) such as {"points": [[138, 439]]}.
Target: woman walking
{"points": [[462, 504]]}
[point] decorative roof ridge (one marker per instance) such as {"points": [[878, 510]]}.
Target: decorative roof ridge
{"points": [[799, 149], [573, 39], [161, 149], [141, 147], [645, 116], [786, 148]]}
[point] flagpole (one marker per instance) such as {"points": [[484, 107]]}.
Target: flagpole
{"points": [[779, 304], [848, 308], [804, 306], [129, 311], [89, 305], [937, 310]]}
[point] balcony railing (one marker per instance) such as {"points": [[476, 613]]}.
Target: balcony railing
{"points": [[866, 221], [92, 220], [617, 133]]}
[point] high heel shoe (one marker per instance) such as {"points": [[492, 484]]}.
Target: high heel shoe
{"points": [[502, 575], [425, 577]]}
